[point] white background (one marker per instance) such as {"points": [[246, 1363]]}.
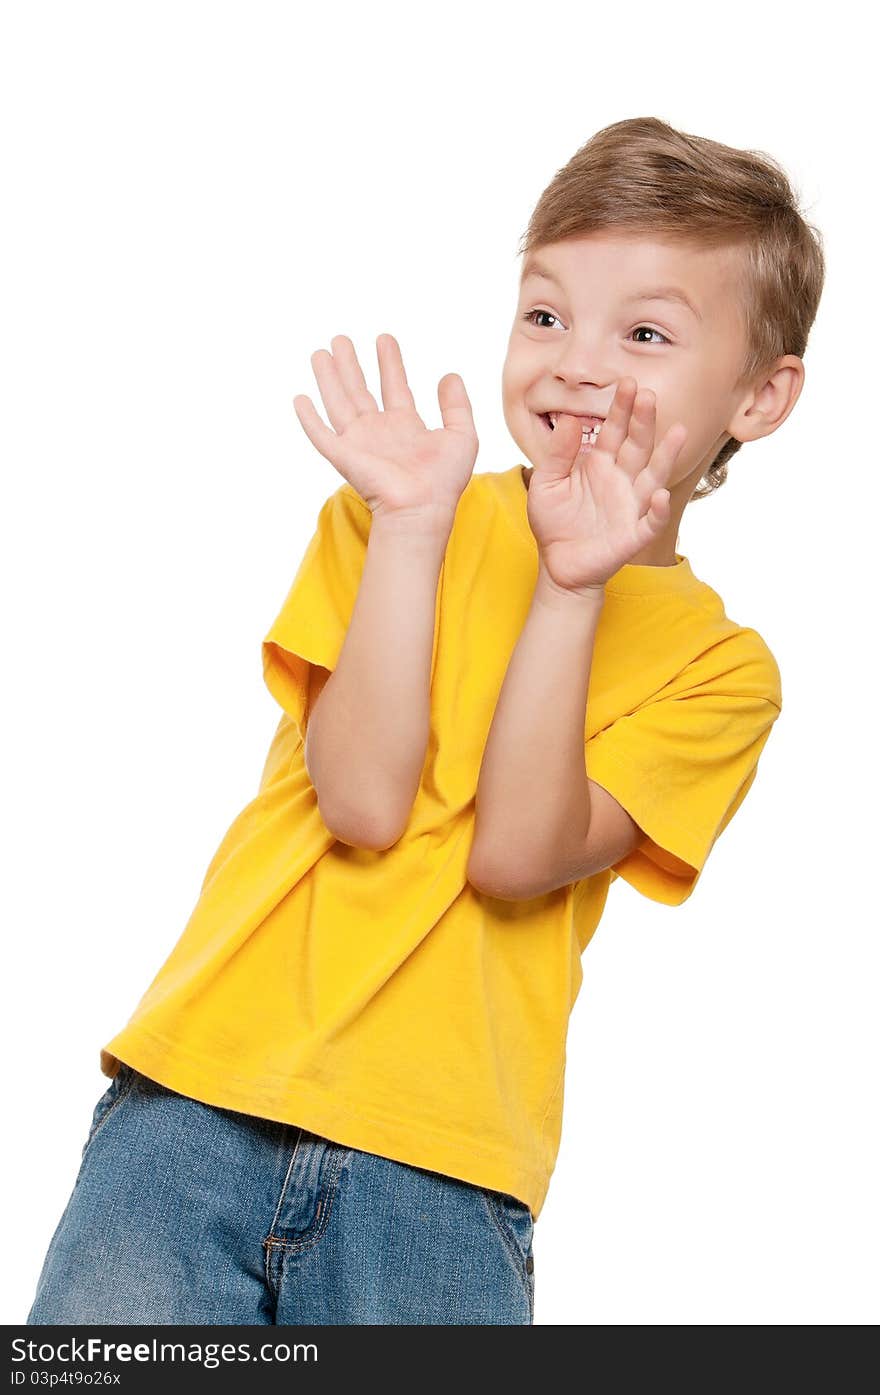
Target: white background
{"points": [[197, 196]]}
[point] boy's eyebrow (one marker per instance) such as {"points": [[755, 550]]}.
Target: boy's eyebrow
{"points": [[535, 268]]}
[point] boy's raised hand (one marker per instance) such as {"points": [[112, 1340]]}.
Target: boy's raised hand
{"points": [[398, 465], [591, 512]]}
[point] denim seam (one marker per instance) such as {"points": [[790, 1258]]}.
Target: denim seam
{"points": [[123, 1091], [268, 1243], [510, 1243], [310, 1237]]}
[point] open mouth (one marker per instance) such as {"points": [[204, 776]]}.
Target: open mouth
{"points": [[589, 431]]}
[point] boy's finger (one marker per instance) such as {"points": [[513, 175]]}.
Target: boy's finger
{"points": [[352, 375], [668, 451], [658, 470], [615, 427], [562, 448], [657, 515], [455, 405], [322, 439], [392, 374], [638, 445], [337, 402]]}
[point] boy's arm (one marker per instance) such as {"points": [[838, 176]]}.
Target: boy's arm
{"points": [[540, 822], [367, 734]]}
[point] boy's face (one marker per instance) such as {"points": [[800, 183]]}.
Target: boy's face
{"points": [[601, 320]]}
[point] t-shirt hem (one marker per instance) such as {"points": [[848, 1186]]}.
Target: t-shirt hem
{"points": [[325, 1113]]}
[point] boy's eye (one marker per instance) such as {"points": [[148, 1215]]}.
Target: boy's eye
{"points": [[650, 331], [530, 317]]}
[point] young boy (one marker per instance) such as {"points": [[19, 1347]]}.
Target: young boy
{"points": [[340, 1100]]}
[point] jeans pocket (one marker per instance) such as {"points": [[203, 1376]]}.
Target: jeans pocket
{"points": [[513, 1221], [112, 1097]]}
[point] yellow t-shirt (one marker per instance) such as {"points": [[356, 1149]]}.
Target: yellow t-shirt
{"points": [[377, 998]]}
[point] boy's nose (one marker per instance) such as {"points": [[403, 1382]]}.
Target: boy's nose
{"points": [[580, 370]]}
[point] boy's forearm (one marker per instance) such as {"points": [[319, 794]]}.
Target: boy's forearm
{"points": [[367, 737], [533, 799]]}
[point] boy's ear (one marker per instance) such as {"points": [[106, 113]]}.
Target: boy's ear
{"points": [[768, 404]]}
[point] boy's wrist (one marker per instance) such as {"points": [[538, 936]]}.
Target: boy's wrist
{"points": [[426, 534], [550, 594]]}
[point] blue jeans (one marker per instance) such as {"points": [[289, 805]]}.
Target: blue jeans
{"points": [[183, 1212]]}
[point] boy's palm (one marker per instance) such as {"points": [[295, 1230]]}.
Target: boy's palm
{"points": [[395, 462], [591, 512]]}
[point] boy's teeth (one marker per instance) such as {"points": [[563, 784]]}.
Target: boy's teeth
{"points": [[586, 431]]}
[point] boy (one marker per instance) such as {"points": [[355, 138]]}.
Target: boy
{"points": [[340, 1100]]}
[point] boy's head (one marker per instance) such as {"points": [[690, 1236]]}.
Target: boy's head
{"points": [[641, 207]]}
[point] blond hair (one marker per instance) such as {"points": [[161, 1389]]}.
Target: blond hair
{"points": [[644, 176]]}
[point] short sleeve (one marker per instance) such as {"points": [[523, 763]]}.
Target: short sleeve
{"points": [[681, 765], [311, 625]]}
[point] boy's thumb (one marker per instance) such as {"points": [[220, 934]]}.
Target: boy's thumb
{"points": [[455, 405]]}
